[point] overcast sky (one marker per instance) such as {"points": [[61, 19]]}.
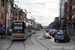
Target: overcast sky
{"points": [[44, 11]]}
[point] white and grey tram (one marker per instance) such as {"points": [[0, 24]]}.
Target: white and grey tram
{"points": [[20, 30]]}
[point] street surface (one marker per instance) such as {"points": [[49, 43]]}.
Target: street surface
{"points": [[36, 42]]}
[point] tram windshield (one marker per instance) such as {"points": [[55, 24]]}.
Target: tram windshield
{"points": [[18, 28]]}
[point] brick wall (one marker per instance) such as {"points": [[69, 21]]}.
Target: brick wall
{"points": [[2, 14], [73, 11]]}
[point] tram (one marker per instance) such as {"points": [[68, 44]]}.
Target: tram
{"points": [[20, 30]]}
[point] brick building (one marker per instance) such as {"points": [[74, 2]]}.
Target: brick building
{"points": [[73, 11], [69, 17], [15, 12], [73, 17], [2, 12], [69, 26]]}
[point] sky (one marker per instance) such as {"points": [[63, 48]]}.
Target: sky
{"points": [[42, 11]]}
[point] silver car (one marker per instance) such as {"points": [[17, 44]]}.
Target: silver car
{"points": [[33, 31]]}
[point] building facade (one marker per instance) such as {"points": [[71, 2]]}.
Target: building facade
{"points": [[9, 13], [15, 12], [73, 17], [2, 13], [22, 15], [69, 17], [61, 17]]}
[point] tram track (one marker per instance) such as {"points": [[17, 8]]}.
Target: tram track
{"points": [[42, 44], [10, 46]]}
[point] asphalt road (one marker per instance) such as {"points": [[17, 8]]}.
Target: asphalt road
{"points": [[36, 42]]}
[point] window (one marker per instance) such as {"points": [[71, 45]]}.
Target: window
{"points": [[68, 1], [73, 6], [15, 6], [67, 18], [8, 14], [73, 16], [9, 6], [2, 3], [0, 25], [2, 16], [67, 9], [15, 13]]}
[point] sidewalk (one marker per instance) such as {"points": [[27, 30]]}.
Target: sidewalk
{"points": [[5, 37], [72, 37]]}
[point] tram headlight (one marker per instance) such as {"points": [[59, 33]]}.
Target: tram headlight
{"points": [[12, 34], [23, 34]]}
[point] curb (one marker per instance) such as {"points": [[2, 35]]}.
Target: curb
{"points": [[72, 38]]}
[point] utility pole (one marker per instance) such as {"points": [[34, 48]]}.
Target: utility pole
{"points": [[0, 8], [5, 17]]}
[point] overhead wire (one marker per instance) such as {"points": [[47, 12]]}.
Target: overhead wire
{"points": [[43, 6]]}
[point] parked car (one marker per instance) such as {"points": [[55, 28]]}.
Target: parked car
{"points": [[10, 32], [2, 31], [62, 36], [33, 31], [29, 30], [54, 33]]}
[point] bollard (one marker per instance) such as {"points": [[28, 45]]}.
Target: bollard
{"points": [[48, 34]]}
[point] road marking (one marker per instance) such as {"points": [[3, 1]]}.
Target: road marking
{"points": [[34, 41]]}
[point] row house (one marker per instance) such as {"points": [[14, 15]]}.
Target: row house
{"points": [[31, 21], [9, 11], [2, 12], [15, 12], [22, 15], [5, 12]]}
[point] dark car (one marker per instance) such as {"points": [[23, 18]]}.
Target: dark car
{"points": [[62, 36], [51, 33], [29, 30], [2, 31], [54, 33], [10, 32]]}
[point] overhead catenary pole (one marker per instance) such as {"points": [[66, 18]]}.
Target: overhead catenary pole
{"points": [[17, 10], [5, 22], [0, 7]]}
